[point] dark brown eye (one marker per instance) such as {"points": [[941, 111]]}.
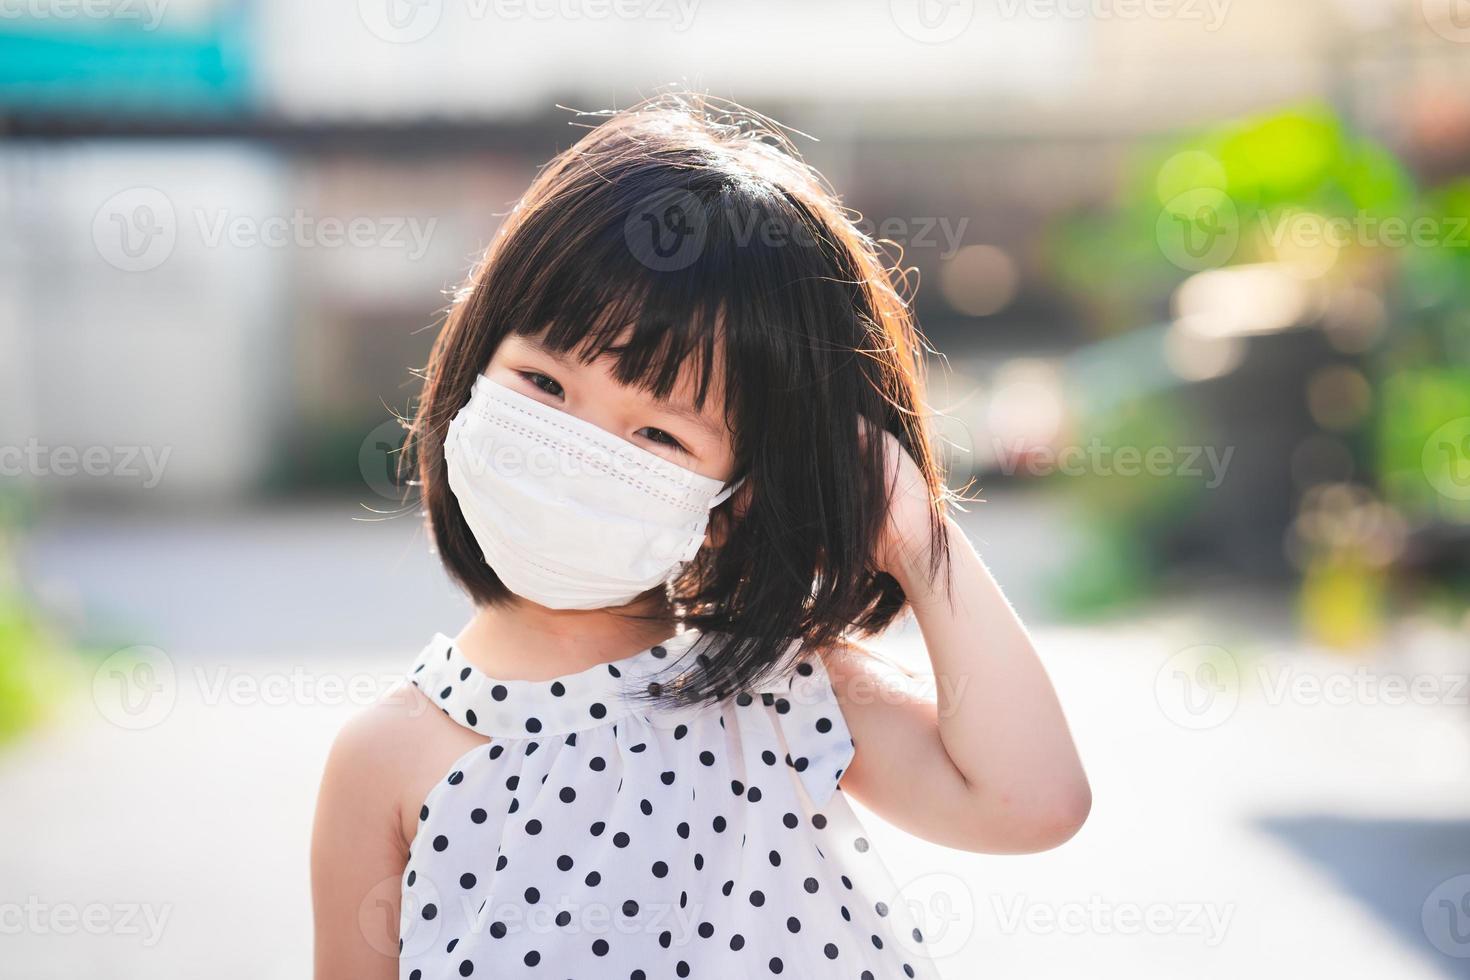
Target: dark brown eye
{"points": [[662, 438], [545, 383]]}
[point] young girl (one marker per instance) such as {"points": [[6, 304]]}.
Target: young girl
{"points": [[673, 443]]}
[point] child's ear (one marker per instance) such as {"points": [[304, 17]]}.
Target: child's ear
{"points": [[724, 517]]}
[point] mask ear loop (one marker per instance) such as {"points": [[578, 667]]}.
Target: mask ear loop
{"points": [[678, 568], [725, 494]]}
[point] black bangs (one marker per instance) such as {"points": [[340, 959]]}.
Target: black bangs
{"points": [[658, 330], [697, 252], [665, 281]]}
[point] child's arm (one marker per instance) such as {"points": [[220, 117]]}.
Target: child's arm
{"points": [[358, 849], [987, 763]]}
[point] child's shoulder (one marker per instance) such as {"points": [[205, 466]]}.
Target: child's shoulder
{"points": [[390, 753]]}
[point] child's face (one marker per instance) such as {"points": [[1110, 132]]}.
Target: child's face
{"points": [[695, 439]]}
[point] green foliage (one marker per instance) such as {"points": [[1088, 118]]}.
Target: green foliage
{"points": [[27, 685], [1232, 185]]}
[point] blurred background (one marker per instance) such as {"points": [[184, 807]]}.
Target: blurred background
{"points": [[1200, 270]]}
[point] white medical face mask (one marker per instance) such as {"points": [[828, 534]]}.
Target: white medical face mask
{"points": [[567, 514]]}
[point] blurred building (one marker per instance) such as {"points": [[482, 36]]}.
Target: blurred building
{"points": [[233, 224]]}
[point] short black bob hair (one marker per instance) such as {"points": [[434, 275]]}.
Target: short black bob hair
{"points": [[687, 235]]}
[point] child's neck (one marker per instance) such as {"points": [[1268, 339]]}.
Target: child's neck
{"points": [[520, 640]]}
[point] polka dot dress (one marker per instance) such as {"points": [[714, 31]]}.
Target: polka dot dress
{"points": [[596, 836]]}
